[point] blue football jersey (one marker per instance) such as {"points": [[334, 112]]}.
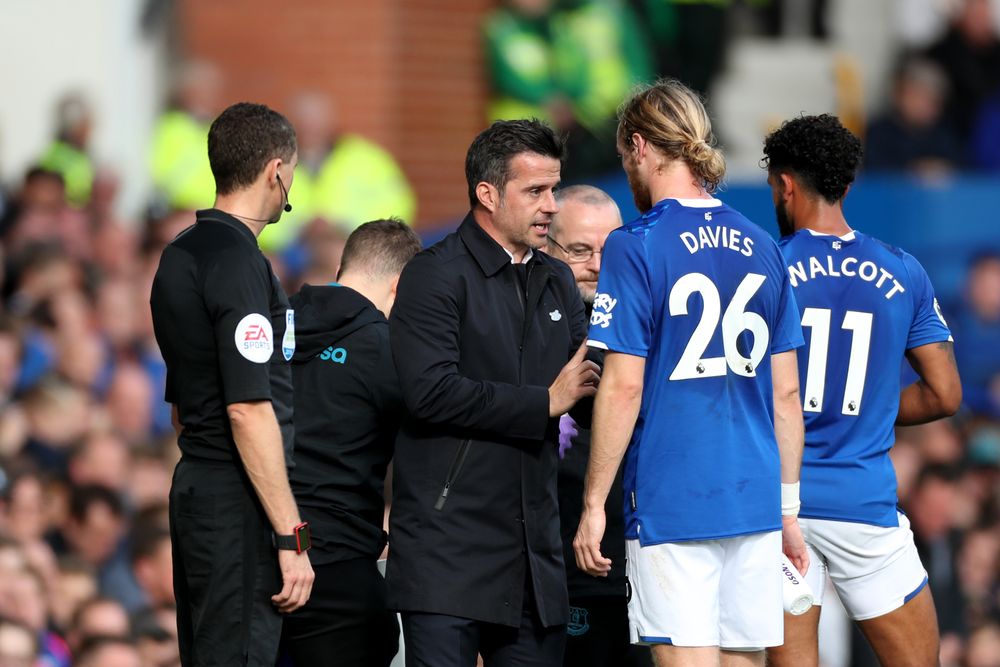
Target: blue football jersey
{"points": [[863, 304], [703, 295]]}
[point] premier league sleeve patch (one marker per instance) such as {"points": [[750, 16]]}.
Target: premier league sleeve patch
{"points": [[254, 338], [288, 340]]}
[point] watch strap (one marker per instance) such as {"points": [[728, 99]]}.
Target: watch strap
{"points": [[285, 542]]}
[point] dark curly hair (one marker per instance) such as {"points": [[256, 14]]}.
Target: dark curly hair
{"points": [[820, 152], [242, 140]]}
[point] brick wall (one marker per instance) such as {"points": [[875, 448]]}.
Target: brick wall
{"points": [[406, 73]]}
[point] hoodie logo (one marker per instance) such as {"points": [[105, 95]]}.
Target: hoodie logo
{"points": [[337, 355], [555, 315], [288, 340]]}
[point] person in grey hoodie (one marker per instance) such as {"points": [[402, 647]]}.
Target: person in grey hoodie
{"points": [[347, 412]]}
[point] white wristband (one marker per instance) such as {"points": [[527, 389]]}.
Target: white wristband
{"points": [[790, 499]]}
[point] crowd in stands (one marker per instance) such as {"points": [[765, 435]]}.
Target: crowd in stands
{"points": [[944, 110], [86, 443]]}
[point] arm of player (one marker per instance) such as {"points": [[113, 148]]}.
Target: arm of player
{"points": [[789, 431], [615, 411], [258, 440], [938, 392]]}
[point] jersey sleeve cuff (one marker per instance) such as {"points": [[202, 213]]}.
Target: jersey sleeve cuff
{"points": [[786, 346], [246, 395], [615, 347], [928, 340]]}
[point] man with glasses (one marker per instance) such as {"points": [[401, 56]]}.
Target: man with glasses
{"points": [[597, 633], [586, 216]]}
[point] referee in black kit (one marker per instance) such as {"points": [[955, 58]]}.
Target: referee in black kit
{"points": [[226, 332]]}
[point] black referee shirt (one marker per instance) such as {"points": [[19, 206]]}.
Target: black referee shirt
{"points": [[226, 332]]}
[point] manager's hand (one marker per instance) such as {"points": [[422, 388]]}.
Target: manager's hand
{"points": [[297, 580], [577, 379], [587, 543]]}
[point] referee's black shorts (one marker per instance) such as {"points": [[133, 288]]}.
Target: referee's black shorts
{"points": [[225, 567]]}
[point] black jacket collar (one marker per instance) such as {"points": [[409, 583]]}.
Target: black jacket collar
{"points": [[489, 254]]}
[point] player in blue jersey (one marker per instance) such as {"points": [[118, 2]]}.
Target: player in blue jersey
{"points": [[864, 305], [700, 385]]}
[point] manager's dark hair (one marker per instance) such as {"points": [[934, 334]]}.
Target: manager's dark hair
{"points": [[489, 156], [820, 152], [242, 140], [379, 248]]}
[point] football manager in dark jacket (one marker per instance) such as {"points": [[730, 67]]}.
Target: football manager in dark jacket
{"points": [[486, 335]]}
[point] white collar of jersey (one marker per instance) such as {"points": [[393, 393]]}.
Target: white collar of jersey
{"points": [[849, 236], [699, 203], [527, 256]]}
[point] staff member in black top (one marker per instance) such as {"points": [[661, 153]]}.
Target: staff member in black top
{"points": [[597, 634], [226, 332], [347, 411], [486, 334]]}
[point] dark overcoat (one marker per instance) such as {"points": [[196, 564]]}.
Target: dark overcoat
{"points": [[475, 509]]}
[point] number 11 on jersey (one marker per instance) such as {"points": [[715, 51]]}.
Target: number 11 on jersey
{"points": [[860, 324]]}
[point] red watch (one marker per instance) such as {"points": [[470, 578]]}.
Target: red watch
{"points": [[298, 541]]}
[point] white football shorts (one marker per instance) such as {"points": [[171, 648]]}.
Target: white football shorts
{"points": [[724, 593], [874, 569]]}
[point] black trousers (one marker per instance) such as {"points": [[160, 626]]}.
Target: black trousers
{"points": [[345, 623], [437, 640], [598, 635], [225, 568]]}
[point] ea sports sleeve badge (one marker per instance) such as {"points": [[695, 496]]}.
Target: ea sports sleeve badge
{"points": [[254, 338]]}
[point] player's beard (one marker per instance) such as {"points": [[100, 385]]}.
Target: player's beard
{"points": [[640, 191], [785, 225]]}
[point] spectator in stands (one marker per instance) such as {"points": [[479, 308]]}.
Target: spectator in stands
{"points": [[976, 323], [341, 178], [985, 145], [601, 52], [521, 63], [18, 644], [67, 155], [157, 645], [108, 652], [22, 514], [977, 565], [969, 53], [914, 134], [572, 66], [75, 584], [179, 164], [95, 531], [932, 509], [152, 563], [117, 311], [57, 414], [42, 216], [30, 607], [129, 402], [97, 617], [984, 647], [699, 51], [149, 474], [103, 458]]}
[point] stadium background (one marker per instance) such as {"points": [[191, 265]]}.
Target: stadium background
{"points": [[79, 377]]}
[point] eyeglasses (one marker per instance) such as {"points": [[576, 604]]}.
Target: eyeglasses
{"points": [[577, 255]]}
